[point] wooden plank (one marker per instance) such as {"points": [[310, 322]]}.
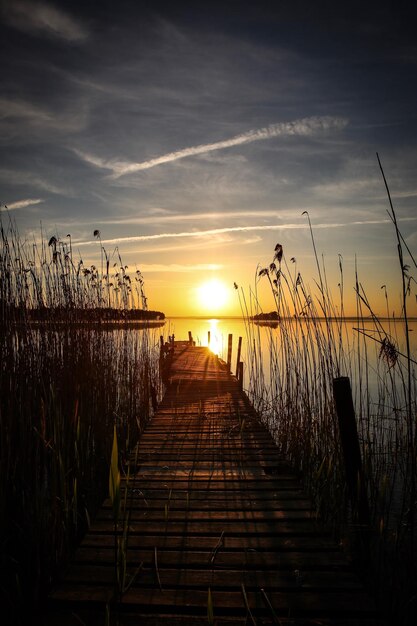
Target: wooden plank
{"points": [[347, 603], [233, 559], [214, 505], [207, 480], [213, 527], [196, 516], [218, 579], [127, 618], [229, 542], [301, 603]]}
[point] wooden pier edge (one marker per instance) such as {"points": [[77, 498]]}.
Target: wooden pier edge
{"points": [[220, 530]]}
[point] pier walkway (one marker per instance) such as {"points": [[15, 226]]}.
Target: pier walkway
{"points": [[220, 531]]}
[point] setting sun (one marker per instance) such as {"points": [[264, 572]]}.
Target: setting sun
{"points": [[213, 295]]}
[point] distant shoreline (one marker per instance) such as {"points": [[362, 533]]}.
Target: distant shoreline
{"points": [[265, 319], [76, 315]]}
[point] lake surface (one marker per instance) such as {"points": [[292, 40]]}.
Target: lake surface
{"points": [[220, 328], [372, 374]]}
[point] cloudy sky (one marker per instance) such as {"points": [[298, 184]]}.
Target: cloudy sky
{"points": [[194, 135]]}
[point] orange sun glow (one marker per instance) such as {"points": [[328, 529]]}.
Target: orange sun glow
{"points": [[213, 295]]}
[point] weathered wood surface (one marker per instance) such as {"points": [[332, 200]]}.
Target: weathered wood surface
{"points": [[212, 505]]}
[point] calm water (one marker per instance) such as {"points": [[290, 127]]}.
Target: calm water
{"points": [[220, 328], [364, 363]]}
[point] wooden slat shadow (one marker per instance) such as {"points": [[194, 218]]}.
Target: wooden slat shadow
{"points": [[212, 505]]}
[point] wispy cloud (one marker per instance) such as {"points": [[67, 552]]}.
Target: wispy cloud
{"points": [[196, 233], [412, 193], [25, 178], [43, 18], [342, 189], [236, 229], [14, 110], [167, 217], [21, 109], [218, 241], [22, 204], [178, 268], [303, 127]]}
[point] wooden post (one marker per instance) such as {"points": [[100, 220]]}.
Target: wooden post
{"points": [[208, 338], [239, 350], [161, 357], [240, 374], [229, 352], [190, 337], [351, 450]]}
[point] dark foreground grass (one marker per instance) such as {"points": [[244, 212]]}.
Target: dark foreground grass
{"points": [[63, 388]]}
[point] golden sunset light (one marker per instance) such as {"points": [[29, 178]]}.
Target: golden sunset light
{"points": [[213, 296], [208, 312]]}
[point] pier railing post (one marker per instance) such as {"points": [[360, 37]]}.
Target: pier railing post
{"points": [[239, 350], [240, 374], [351, 450], [208, 338], [165, 357], [229, 352]]}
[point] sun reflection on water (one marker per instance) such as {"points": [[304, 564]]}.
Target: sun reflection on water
{"points": [[215, 343]]}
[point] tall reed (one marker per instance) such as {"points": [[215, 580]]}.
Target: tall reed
{"points": [[65, 382], [312, 343]]}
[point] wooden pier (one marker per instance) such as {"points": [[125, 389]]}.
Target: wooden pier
{"points": [[220, 531]]}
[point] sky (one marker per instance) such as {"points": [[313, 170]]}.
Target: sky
{"points": [[195, 135]]}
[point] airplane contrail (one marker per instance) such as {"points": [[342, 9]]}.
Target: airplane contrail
{"points": [[302, 127], [240, 229], [22, 204]]}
